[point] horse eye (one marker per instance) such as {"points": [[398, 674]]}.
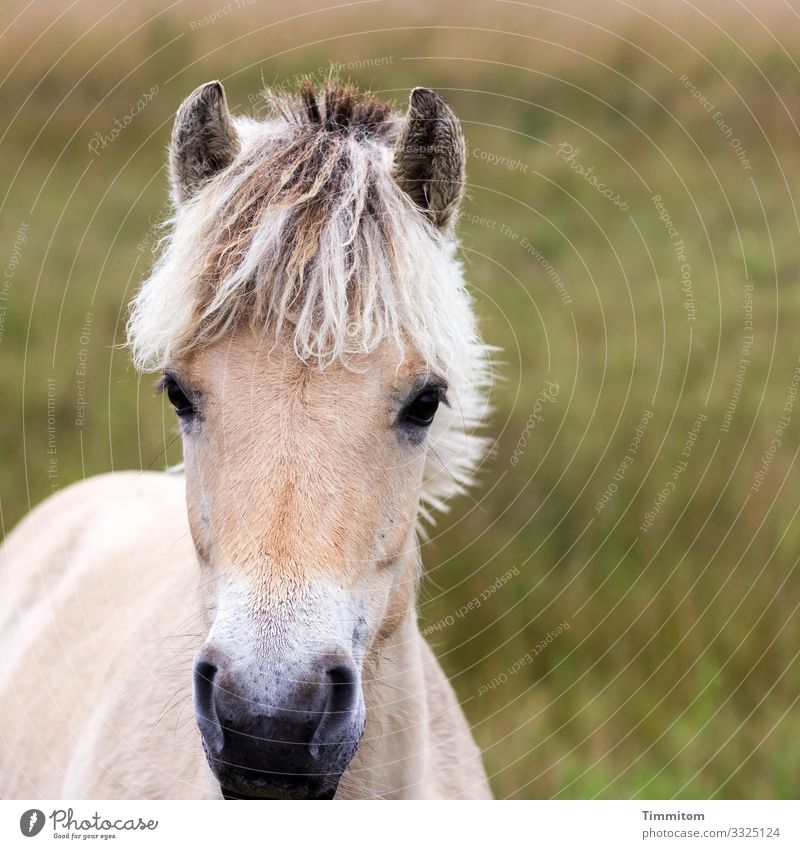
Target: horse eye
{"points": [[423, 408], [177, 397]]}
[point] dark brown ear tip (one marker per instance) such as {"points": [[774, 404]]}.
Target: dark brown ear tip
{"points": [[210, 92], [426, 97]]}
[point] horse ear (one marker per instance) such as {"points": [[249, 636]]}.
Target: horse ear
{"points": [[204, 140], [429, 156]]}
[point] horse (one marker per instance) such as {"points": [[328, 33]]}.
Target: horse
{"points": [[246, 627]]}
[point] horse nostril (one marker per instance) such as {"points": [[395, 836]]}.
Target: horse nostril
{"points": [[204, 674], [204, 707], [340, 704], [342, 680]]}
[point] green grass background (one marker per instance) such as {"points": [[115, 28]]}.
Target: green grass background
{"points": [[679, 673]]}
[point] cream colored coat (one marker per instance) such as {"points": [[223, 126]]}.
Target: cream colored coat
{"points": [[99, 623]]}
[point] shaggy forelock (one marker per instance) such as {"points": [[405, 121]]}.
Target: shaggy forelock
{"points": [[308, 236]]}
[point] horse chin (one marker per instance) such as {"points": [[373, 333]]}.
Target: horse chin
{"points": [[233, 794], [234, 785]]}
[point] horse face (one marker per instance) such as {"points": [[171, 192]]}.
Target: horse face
{"points": [[328, 228], [302, 487]]}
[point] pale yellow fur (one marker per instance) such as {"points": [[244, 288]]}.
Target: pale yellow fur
{"points": [[98, 591]]}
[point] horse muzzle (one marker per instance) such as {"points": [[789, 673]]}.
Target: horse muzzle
{"points": [[296, 747]]}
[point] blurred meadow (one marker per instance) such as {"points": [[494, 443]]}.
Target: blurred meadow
{"points": [[616, 601]]}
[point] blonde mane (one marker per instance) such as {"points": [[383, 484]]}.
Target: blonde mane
{"points": [[307, 234]]}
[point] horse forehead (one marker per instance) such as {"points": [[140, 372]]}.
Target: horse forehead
{"points": [[297, 397], [246, 365]]}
